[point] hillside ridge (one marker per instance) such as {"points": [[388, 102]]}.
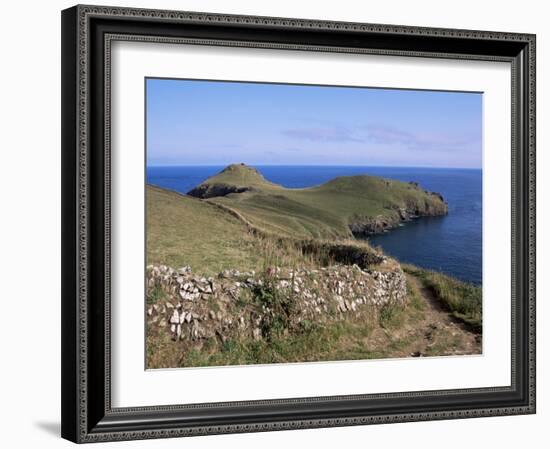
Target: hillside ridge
{"points": [[220, 291], [343, 207]]}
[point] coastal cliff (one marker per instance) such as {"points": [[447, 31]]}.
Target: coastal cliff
{"points": [[251, 290], [365, 226], [347, 206]]}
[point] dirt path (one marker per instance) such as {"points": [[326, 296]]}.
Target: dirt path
{"points": [[433, 332]]}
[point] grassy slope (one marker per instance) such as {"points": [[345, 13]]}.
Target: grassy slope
{"points": [[323, 211], [182, 230], [240, 175], [186, 231]]}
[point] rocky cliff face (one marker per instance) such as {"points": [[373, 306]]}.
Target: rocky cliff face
{"points": [[361, 204], [205, 191], [249, 304], [365, 226]]}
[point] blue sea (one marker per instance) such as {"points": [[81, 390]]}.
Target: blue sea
{"points": [[451, 244]]}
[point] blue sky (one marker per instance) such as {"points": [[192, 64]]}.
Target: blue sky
{"points": [[218, 123]]}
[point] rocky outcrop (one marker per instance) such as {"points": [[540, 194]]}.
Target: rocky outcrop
{"points": [[205, 191], [256, 305], [365, 226], [366, 204]]}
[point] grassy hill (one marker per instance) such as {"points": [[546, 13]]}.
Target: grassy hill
{"points": [[340, 208], [238, 221], [182, 230]]}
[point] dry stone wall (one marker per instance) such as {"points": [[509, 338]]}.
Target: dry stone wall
{"points": [[255, 305]]}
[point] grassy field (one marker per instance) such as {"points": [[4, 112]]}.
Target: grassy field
{"points": [[266, 226], [186, 231], [182, 230], [324, 211]]}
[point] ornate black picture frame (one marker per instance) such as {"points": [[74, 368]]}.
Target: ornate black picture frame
{"points": [[87, 33]]}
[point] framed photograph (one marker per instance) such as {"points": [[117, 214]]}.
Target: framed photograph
{"points": [[274, 223]]}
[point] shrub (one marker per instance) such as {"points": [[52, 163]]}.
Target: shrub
{"points": [[278, 305]]}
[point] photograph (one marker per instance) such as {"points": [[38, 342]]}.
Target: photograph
{"points": [[296, 223], [276, 222]]}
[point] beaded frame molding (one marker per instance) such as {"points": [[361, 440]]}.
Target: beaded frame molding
{"points": [[87, 34]]}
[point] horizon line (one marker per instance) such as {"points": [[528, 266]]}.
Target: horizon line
{"points": [[312, 165]]}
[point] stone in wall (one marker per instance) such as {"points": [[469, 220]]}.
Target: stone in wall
{"points": [[238, 303]]}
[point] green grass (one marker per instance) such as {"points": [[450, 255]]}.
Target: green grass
{"points": [[463, 300], [182, 230], [391, 316], [327, 342], [342, 340], [156, 295], [285, 216], [417, 304], [323, 211], [268, 225], [240, 175], [186, 231], [264, 225], [277, 322]]}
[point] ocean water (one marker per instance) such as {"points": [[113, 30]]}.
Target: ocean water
{"points": [[451, 244]]}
